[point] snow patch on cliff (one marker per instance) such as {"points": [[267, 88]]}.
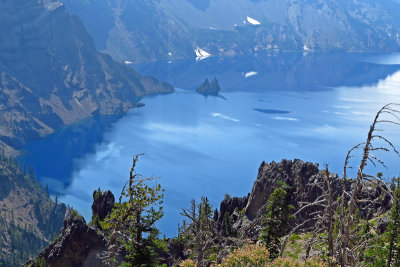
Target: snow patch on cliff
{"points": [[201, 54], [250, 73], [253, 21]]}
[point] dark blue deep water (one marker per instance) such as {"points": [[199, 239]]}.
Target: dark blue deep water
{"points": [[313, 107]]}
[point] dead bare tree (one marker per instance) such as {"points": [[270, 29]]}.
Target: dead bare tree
{"points": [[321, 219], [349, 251], [201, 229], [346, 245]]}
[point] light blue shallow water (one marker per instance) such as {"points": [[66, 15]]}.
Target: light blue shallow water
{"points": [[211, 146]]}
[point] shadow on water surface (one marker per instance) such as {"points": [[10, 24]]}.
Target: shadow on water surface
{"points": [[271, 111], [53, 157]]}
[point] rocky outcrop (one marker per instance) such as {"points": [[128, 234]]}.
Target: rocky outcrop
{"points": [[302, 177], [382, 223], [382, 203], [229, 209], [296, 174], [81, 244], [103, 203], [77, 245], [209, 88]]}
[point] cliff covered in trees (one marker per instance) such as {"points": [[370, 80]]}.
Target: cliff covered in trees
{"points": [[29, 219]]}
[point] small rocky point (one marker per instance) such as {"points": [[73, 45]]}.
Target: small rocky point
{"points": [[209, 88]]}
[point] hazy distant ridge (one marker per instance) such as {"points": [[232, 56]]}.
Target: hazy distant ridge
{"points": [[142, 31]]}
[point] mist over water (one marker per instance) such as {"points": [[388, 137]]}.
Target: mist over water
{"points": [[209, 146]]}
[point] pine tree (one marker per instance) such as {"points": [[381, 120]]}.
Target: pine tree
{"points": [[228, 225], [277, 219], [136, 217]]}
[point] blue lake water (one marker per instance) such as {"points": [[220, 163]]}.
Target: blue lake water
{"points": [[312, 107]]}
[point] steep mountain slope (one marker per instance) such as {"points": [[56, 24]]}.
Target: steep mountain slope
{"points": [[142, 31], [51, 74], [137, 31], [29, 219]]}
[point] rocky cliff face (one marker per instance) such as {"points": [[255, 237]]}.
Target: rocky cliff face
{"points": [[137, 31], [143, 31], [51, 74], [77, 245], [302, 177]]}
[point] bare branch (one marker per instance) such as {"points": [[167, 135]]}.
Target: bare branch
{"points": [[376, 159], [380, 148], [388, 142], [387, 121], [392, 114], [348, 157]]}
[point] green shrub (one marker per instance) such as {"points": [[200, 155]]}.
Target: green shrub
{"points": [[97, 194], [249, 255], [74, 213], [258, 256], [287, 262], [188, 263]]}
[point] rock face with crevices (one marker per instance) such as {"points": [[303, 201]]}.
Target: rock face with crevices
{"points": [[246, 213], [77, 245], [229, 207], [297, 174]]}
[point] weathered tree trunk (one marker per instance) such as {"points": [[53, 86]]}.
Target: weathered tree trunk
{"points": [[329, 200]]}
